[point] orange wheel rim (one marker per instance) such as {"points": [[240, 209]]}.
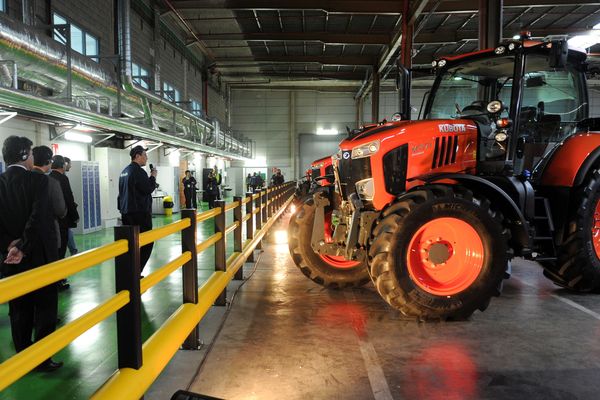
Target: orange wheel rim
{"points": [[445, 256], [596, 229]]}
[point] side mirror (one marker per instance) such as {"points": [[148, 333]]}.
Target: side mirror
{"points": [[558, 54]]}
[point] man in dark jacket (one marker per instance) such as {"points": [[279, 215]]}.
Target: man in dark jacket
{"points": [[42, 159], [189, 190], [25, 232], [135, 197], [70, 221]]}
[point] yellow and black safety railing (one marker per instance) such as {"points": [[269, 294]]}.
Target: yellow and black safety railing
{"points": [[139, 364]]}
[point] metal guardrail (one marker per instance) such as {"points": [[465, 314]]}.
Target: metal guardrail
{"points": [[139, 365]]}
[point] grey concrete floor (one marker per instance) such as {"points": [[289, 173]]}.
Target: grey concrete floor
{"points": [[288, 338]]}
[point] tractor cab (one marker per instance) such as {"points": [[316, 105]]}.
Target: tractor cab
{"points": [[525, 98]]}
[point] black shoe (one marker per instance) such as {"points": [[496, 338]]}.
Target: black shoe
{"points": [[48, 366], [63, 285]]}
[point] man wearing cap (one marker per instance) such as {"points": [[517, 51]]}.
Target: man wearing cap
{"points": [[135, 197]]}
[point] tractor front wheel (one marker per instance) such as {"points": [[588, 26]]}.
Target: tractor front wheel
{"points": [[439, 253], [328, 271]]}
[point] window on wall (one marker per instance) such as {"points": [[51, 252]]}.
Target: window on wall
{"points": [[170, 93], [140, 76], [3, 5], [81, 41], [196, 108]]}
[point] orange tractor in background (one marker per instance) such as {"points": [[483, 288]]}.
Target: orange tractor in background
{"points": [[505, 163]]}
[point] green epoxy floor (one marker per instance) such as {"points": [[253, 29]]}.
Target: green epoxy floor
{"points": [[91, 359]]}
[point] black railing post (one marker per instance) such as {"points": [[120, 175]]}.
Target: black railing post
{"points": [[220, 257], [129, 318], [257, 204], [237, 234], [249, 223], [264, 200], [190, 272]]}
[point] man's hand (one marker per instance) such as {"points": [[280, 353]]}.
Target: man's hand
{"points": [[14, 256], [153, 173], [12, 244]]}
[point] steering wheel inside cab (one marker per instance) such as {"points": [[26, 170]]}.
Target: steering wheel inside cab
{"points": [[476, 111]]}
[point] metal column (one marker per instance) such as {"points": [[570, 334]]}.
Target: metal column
{"points": [[375, 96], [490, 23]]}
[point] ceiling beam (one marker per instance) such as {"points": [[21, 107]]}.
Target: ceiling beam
{"points": [[451, 36], [296, 75], [472, 6], [331, 6], [323, 37], [325, 60]]}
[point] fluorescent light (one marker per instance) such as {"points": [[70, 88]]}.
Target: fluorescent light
{"points": [[322, 131], [584, 42], [78, 137]]}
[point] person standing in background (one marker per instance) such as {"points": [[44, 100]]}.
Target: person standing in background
{"points": [[212, 190], [70, 238], [42, 160], [70, 221], [189, 190], [248, 182], [27, 241], [135, 197], [218, 180]]}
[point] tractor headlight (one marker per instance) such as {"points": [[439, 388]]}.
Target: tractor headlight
{"points": [[501, 136], [494, 106], [365, 150], [365, 189]]}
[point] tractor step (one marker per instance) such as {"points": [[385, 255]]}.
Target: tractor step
{"points": [[543, 239]]}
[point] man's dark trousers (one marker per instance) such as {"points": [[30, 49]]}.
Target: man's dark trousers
{"points": [[144, 221], [34, 312]]}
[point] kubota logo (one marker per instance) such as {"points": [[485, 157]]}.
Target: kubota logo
{"points": [[445, 128], [420, 148]]}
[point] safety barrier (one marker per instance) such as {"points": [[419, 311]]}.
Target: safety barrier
{"points": [[140, 364]]}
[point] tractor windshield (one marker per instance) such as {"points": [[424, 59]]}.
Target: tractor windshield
{"points": [[471, 85], [552, 99]]}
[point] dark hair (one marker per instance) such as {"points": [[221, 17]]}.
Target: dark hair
{"points": [[16, 149], [42, 156], [187, 170], [136, 150], [67, 160], [58, 162]]}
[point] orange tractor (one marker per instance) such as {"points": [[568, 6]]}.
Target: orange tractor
{"points": [[505, 163]]}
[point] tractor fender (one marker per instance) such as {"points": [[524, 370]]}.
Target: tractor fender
{"points": [[570, 163], [591, 162], [520, 237]]}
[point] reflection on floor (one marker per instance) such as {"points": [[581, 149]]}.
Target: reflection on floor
{"points": [[91, 359], [288, 338]]}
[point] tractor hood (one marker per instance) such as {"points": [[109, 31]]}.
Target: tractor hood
{"points": [[393, 134]]}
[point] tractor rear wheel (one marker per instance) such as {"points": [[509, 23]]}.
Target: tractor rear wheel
{"points": [[328, 271], [578, 263], [439, 253]]}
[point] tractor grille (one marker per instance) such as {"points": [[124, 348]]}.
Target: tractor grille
{"points": [[316, 172], [444, 152], [352, 171], [394, 169]]}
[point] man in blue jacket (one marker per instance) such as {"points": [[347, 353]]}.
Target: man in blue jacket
{"points": [[135, 197]]}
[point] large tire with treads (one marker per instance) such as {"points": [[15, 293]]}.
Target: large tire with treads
{"points": [[578, 263], [438, 253], [328, 271]]}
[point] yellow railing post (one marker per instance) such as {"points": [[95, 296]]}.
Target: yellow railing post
{"points": [[190, 272], [129, 318], [237, 234], [249, 223], [257, 209], [220, 248]]}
